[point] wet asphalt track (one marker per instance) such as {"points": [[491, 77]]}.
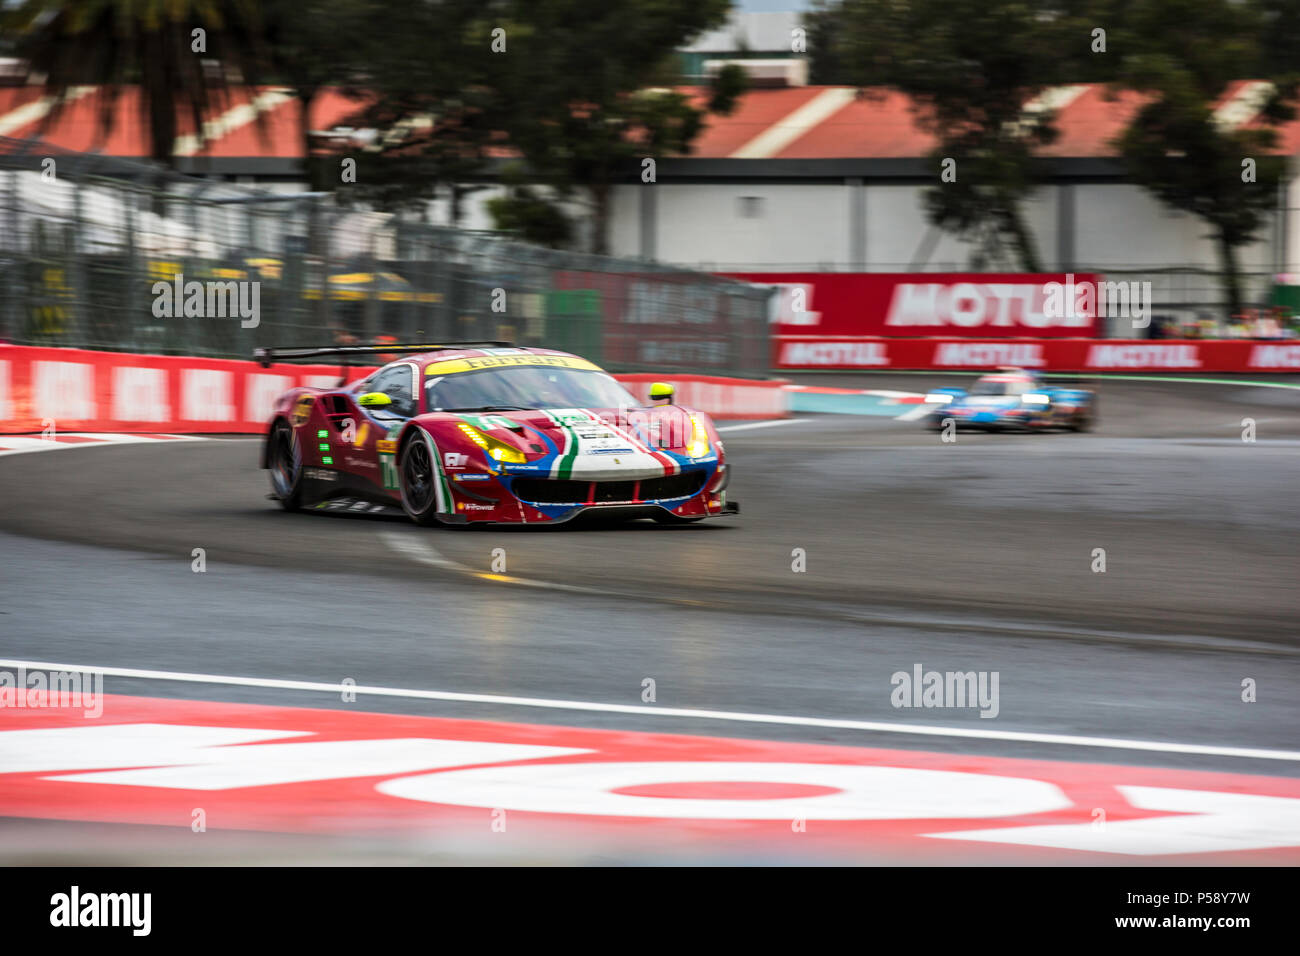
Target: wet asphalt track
{"points": [[972, 555]]}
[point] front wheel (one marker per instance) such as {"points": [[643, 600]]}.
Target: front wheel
{"points": [[418, 478], [1083, 421], [284, 460]]}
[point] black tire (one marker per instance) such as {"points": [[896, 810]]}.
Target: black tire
{"points": [[1084, 421], [284, 461], [417, 478]]}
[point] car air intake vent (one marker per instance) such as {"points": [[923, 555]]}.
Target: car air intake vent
{"points": [[558, 492], [673, 486], [551, 491]]}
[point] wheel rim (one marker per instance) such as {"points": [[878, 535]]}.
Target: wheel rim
{"points": [[417, 475], [285, 463]]}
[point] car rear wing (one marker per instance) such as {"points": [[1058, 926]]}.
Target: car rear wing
{"points": [[266, 357]]}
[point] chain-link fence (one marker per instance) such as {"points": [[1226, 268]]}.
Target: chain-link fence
{"points": [[110, 254], [1185, 296]]}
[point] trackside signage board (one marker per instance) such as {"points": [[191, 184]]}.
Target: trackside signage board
{"points": [[969, 305], [85, 390], [1049, 355]]}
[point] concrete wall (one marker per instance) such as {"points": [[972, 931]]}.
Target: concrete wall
{"points": [[814, 227]]}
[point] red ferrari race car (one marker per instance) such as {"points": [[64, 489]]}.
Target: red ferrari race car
{"points": [[488, 433]]}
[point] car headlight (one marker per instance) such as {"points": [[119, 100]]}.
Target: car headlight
{"points": [[1035, 398], [938, 398], [698, 446], [496, 449]]}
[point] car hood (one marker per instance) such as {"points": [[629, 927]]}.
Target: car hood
{"points": [[989, 403], [593, 444]]}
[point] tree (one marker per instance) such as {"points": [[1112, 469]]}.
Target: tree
{"points": [[432, 101], [315, 44], [1224, 173], [970, 67], [530, 215], [182, 53], [1280, 26], [728, 86], [588, 83], [824, 24]]}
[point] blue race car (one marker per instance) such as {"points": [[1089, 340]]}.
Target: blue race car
{"points": [[1012, 398]]}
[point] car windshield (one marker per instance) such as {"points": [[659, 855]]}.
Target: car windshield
{"points": [[986, 387], [525, 386]]}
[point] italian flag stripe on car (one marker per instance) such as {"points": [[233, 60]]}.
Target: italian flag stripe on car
{"points": [[443, 501], [669, 464], [563, 467]]}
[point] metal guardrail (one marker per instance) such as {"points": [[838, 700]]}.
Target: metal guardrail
{"points": [[91, 249]]}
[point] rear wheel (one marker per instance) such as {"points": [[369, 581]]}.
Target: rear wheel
{"points": [[284, 460], [419, 480]]}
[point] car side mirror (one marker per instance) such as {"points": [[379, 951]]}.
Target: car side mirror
{"points": [[374, 400], [661, 393]]}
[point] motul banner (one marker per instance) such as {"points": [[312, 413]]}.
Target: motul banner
{"points": [[1052, 355], [84, 390], [972, 305]]}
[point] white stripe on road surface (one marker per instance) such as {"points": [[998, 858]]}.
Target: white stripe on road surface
{"points": [[890, 393], [920, 411], [23, 444], [1112, 743], [741, 428], [418, 550]]}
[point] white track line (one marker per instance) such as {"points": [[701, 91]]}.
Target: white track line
{"points": [[741, 428], [920, 411], [26, 444], [418, 550], [1115, 743]]}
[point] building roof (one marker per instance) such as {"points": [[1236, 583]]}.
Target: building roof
{"points": [[231, 132], [796, 123], [837, 122]]}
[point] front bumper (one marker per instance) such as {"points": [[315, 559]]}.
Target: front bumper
{"points": [[525, 499], [984, 420]]}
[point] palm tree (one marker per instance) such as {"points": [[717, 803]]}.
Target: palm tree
{"points": [[183, 54]]}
